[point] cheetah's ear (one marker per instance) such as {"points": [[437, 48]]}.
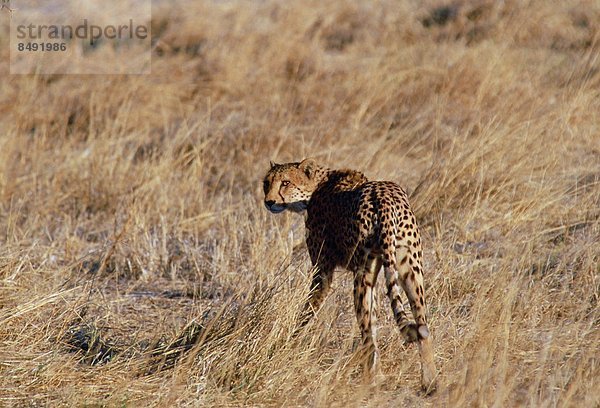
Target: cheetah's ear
{"points": [[308, 166], [272, 163]]}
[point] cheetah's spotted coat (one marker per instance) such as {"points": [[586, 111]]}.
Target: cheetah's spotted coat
{"points": [[360, 225]]}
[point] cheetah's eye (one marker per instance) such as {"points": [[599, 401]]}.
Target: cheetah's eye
{"points": [[285, 183]]}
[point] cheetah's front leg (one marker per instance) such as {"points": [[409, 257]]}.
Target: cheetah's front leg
{"points": [[319, 287]]}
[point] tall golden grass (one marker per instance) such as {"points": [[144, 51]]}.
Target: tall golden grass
{"points": [[131, 216]]}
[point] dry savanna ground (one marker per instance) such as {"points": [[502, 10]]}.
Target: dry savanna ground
{"points": [[139, 267]]}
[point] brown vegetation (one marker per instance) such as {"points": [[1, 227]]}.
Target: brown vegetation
{"points": [[132, 223]]}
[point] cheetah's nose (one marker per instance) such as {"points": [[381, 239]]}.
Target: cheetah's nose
{"points": [[269, 203]]}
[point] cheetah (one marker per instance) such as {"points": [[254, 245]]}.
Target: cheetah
{"points": [[362, 226]]}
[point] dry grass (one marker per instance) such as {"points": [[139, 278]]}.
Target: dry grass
{"points": [[130, 206]]}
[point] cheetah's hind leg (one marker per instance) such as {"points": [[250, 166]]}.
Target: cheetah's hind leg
{"points": [[411, 279], [365, 305]]}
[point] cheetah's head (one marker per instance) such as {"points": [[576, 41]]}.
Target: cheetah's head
{"points": [[289, 186]]}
